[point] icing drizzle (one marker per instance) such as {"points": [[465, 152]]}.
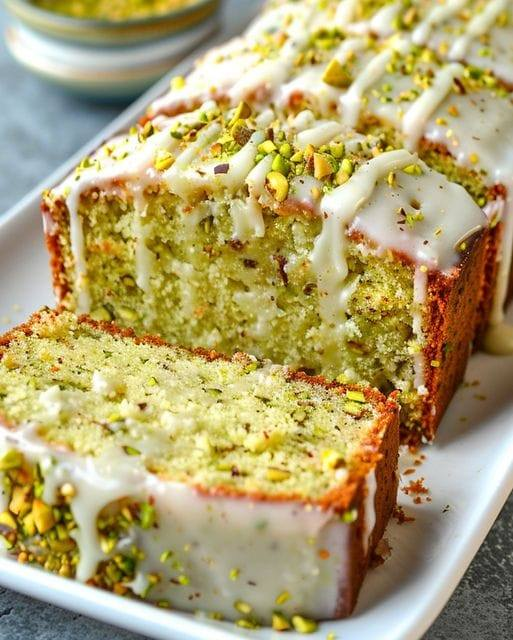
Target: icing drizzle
{"points": [[205, 537]]}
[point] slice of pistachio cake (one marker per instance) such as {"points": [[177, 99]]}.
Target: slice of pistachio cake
{"points": [[189, 479], [289, 238]]}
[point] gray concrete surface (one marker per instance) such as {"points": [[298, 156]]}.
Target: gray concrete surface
{"points": [[39, 128]]}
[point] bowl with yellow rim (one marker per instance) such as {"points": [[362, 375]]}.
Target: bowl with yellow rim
{"points": [[108, 49], [111, 22]]}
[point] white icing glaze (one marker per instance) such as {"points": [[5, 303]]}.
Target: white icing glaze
{"points": [[345, 12], [237, 71], [77, 247], [435, 17], [321, 133], [499, 335], [418, 115], [303, 190], [268, 75], [352, 101], [432, 240], [274, 546], [480, 24], [143, 256], [381, 23], [247, 218]]}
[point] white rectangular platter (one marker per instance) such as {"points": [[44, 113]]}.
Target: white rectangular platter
{"points": [[469, 474]]}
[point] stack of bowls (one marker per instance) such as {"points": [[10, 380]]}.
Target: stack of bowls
{"points": [[106, 58]]}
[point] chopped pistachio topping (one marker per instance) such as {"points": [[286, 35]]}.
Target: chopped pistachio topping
{"points": [[277, 185], [234, 574], [163, 160], [280, 622], [304, 625], [11, 460], [244, 623], [282, 598], [337, 75], [357, 396], [243, 607]]}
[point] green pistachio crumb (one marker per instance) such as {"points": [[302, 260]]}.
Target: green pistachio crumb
{"points": [[357, 396], [304, 625], [243, 607], [283, 597], [281, 165], [413, 170], [337, 75], [280, 622], [266, 147], [11, 460], [165, 555], [244, 623], [349, 516], [147, 515], [131, 451]]}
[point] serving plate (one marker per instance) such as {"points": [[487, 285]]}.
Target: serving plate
{"points": [[468, 473]]}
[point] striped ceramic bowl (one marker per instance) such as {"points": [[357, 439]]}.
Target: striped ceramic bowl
{"points": [[106, 60], [111, 32]]}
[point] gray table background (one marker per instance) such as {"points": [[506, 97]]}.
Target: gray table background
{"points": [[40, 127]]}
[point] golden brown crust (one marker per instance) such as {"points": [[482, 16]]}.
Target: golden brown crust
{"points": [[451, 319], [384, 503], [54, 217]]}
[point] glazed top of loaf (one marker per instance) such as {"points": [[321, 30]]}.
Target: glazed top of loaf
{"points": [[256, 162]]}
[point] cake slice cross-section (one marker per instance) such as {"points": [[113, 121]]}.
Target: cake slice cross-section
{"points": [[188, 479], [290, 238]]}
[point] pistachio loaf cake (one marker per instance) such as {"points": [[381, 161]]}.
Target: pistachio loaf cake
{"points": [[387, 67], [189, 479], [292, 239]]}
